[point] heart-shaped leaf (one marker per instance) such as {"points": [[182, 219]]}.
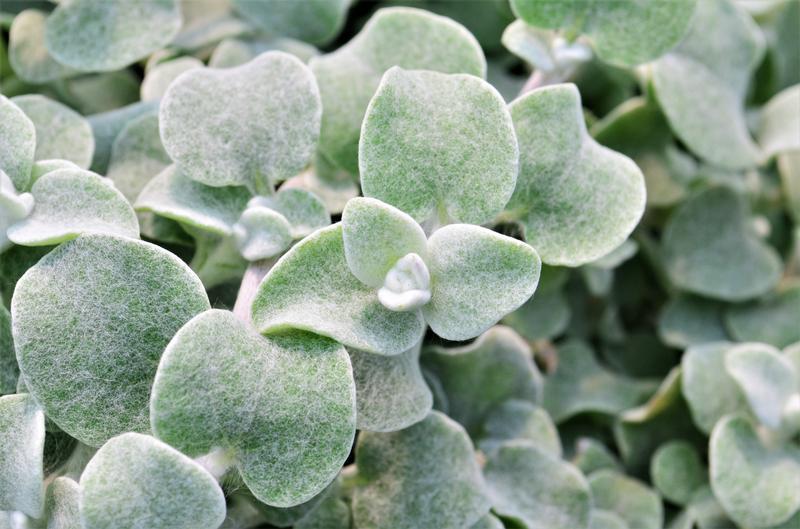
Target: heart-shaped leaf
{"points": [[71, 202], [477, 277], [708, 388], [651, 28], [21, 449], [18, 144], [137, 481], [172, 194], [272, 117], [311, 288], [61, 133], [691, 320], [520, 421], [773, 320], [315, 21], [390, 391], [635, 503], [423, 476], [288, 438], [758, 486], [513, 476], [376, 236], [109, 35], [27, 52], [61, 507], [581, 385], [159, 77], [112, 305], [766, 377], [677, 471], [409, 156], [709, 248], [399, 36], [108, 125], [575, 199], [477, 377], [719, 53]]}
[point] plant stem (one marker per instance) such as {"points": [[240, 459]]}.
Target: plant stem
{"points": [[247, 291]]}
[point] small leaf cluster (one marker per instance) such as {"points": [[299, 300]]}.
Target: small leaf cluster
{"points": [[339, 264]]}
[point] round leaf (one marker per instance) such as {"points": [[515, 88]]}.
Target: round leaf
{"points": [[519, 420], [576, 200], [428, 134], [312, 288], [18, 145], [304, 211], [271, 110], [635, 503], [779, 126], [90, 322], [137, 481], [677, 471], [261, 233], [109, 35], [315, 21], [107, 126], [283, 405], [21, 455], [160, 76], [62, 510], [773, 320], [690, 320], [27, 52]]}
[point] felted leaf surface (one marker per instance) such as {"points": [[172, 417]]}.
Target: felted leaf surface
{"points": [[581, 385], [9, 372], [60, 131], [312, 288], [650, 28], [775, 320], [419, 147], [252, 125], [477, 377], [283, 405], [765, 376], [304, 211], [520, 421], [90, 321], [315, 21], [19, 143], [376, 235], [21, 449], [518, 492], [592, 455], [107, 125], [720, 51], [477, 277], [710, 248], [423, 476], [160, 76], [235, 51], [390, 391], [61, 504], [27, 52], [397, 36], [13, 208], [756, 485], [261, 233], [708, 388], [71, 202], [575, 199], [42, 167], [677, 472], [691, 320], [601, 519], [137, 481], [542, 317], [109, 35], [779, 125], [635, 503], [172, 194]]}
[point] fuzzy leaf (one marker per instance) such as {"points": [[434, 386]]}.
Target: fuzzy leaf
{"points": [[690, 320], [779, 125], [21, 453], [271, 110], [62, 510], [650, 28], [518, 492], [9, 372], [42, 167], [390, 391], [720, 51], [302, 209], [398, 36], [479, 376], [601, 519], [711, 249], [520, 420], [766, 378], [284, 406], [172, 194], [419, 147], [261, 233], [575, 199], [677, 471], [757, 486], [137, 481], [109, 35], [14, 207], [160, 76], [376, 236], [108, 125], [18, 145], [91, 320], [71, 202], [635, 503], [27, 52], [315, 21], [395, 470], [312, 288], [773, 320], [477, 277]]}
